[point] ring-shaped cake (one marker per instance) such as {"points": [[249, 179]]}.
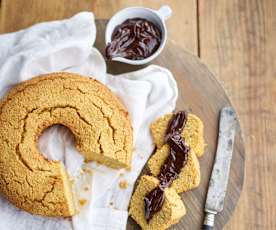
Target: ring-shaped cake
{"points": [[97, 119]]}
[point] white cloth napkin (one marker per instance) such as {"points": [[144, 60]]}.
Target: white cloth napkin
{"points": [[67, 46]]}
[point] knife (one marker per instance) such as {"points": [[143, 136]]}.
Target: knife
{"points": [[220, 173]]}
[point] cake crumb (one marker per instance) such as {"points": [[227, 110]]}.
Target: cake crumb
{"points": [[128, 168], [72, 181], [88, 170], [81, 172], [82, 202], [123, 184]]}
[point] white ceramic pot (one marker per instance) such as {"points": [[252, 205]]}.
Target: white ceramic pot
{"points": [[158, 17]]}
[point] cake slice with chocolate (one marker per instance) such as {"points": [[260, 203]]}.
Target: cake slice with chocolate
{"points": [[192, 132], [171, 210], [182, 129], [189, 176], [175, 167]]}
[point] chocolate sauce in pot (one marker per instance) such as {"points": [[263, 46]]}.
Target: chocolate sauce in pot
{"points": [[170, 170], [135, 39]]}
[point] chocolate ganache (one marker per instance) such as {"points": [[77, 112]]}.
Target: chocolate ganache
{"points": [[135, 39], [170, 170]]}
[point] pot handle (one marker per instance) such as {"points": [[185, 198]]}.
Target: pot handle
{"points": [[164, 12]]}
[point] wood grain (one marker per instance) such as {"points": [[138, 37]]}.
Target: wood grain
{"points": [[237, 40], [182, 25]]}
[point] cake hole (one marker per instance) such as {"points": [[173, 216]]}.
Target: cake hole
{"points": [[54, 141], [57, 142]]}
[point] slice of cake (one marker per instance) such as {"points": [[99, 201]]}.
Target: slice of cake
{"points": [[172, 209], [192, 132], [189, 176]]}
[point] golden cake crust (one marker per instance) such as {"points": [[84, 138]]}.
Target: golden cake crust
{"points": [[96, 117]]}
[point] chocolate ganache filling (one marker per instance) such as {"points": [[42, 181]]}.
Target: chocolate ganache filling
{"points": [[170, 170], [135, 39]]}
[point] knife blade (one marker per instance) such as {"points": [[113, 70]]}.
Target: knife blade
{"points": [[220, 172]]}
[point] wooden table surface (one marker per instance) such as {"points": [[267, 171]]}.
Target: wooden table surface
{"points": [[236, 39]]}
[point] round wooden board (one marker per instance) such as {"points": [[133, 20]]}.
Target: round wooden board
{"points": [[200, 93]]}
